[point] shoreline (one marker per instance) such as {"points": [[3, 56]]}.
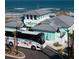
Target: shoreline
{"points": [[21, 10]]}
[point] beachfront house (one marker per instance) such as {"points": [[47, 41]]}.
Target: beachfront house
{"points": [[13, 23], [34, 17], [56, 28]]}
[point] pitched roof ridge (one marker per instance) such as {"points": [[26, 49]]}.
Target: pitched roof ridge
{"points": [[62, 21], [52, 27], [36, 12]]}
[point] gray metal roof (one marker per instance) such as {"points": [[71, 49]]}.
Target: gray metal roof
{"points": [[67, 20], [54, 23], [44, 27], [58, 23], [14, 24], [38, 12]]}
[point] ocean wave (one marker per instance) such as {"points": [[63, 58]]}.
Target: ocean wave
{"points": [[19, 8], [56, 8]]}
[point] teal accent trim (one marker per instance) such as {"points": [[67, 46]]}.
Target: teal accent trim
{"points": [[50, 36], [43, 31], [63, 29], [42, 16]]}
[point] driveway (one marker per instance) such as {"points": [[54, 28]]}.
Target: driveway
{"points": [[46, 53]]}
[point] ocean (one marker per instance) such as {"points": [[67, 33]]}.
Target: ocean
{"points": [[28, 5]]}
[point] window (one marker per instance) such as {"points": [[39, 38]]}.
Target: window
{"points": [[27, 16], [33, 37], [35, 17], [62, 34], [9, 34], [31, 17], [47, 37], [51, 16]]}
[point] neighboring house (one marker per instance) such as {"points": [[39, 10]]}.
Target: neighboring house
{"points": [[55, 28], [14, 24], [71, 29], [34, 17], [71, 14], [13, 14]]}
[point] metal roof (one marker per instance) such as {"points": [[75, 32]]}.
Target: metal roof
{"points": [[14, 14], [67, 20], [54, 23], [14, 24], [44, 27], [60, 21], [26, 32], [10, 29], [38, 12], [30, 32]]}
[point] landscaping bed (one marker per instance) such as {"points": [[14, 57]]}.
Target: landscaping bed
{"points": [[14, 53]]}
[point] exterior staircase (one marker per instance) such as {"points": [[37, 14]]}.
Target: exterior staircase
{"points": [[53, 54]]}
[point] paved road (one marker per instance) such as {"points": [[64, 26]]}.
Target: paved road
{"points": [[31, 54], [47, 53]]}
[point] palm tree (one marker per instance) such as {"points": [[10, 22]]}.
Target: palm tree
{"points": [[71, 41], [14, 45]]}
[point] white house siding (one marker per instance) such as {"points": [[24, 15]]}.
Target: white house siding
{"points": [[32, 22], [64, 38], [46, 16], [57, 36], [71, 29], [49, 36]]}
